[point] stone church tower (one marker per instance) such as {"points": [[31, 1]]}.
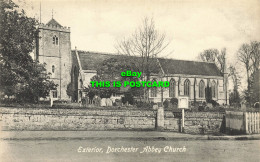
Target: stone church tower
{"points": [[53, 47]]}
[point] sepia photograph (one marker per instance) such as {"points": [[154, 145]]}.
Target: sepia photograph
{"points": [[129, 80]]}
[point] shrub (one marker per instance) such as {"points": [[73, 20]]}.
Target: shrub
{"points": [[166, 103], [141, 104], [201, 108], [204, 104], [214, 103], [174, 101]]}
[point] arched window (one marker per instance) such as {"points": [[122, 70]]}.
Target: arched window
{"points": [[213, 89], [55, 40], [153, 90], [53, 69], [172, 88], [201, 89], [187, 87]]}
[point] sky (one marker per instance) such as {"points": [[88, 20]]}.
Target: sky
{"points": [[190, 26]]}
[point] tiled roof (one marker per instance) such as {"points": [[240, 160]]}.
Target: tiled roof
{"points": [[171, 66], [92, 60], [53, 22]]}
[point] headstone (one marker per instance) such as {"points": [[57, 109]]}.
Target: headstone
{"points": [[103, 102], [155, 107], [243, 107], [209, 105], [98, 101], [109, 102], [51, 102]]}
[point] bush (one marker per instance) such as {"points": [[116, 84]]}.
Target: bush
{"points": [[174, 101], [214, 103], [204, 104], [166, 103], [201, 108], [145, 105]]}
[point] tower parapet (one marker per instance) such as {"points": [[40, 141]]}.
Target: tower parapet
{"points": [[54, 27]]}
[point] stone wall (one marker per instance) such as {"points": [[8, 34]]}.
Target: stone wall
{"points": [[75, 119], [96, 119], [203, 122], [171, 123]]}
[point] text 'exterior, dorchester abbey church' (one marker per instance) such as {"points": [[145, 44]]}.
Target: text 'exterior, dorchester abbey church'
{"points": [[188, 78]]}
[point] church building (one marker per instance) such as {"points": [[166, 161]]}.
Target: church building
{"points": [[76, 67]]}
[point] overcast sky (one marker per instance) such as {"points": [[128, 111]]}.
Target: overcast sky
{"points": [[191, 26]]}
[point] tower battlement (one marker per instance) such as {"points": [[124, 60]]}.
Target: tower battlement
{"points": [[53, 27]]}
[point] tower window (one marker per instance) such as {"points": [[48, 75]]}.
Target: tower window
{"points": [[53, 68], [55, 40]]}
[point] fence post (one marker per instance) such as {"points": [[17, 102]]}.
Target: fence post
{"points": [[246, 122], [257, 122], [252, 122], [249, 122], [255, 130]]}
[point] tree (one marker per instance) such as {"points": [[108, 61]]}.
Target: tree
{"points": [[249, 56], [213, 55], [234, 96], [19, 73], [110, 70], [146, 43]]}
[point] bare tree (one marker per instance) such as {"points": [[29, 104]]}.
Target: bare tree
{"points": [[213, 55], [236, 83], [244, 56], [255, 55], [146, 43]]}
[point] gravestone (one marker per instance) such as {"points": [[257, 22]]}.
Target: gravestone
{"points": [[109, 102], [103, 102]]}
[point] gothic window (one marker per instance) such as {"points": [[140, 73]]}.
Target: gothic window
{"points": [[213, 89], [55, 40], [187, 87], [154, 90], [53, 69], [201, 89], [172, 88]]}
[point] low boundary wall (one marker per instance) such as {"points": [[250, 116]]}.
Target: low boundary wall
{"points": [[96, 119], [203, 122]]}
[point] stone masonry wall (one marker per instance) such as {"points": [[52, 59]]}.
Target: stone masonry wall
{"points": [[82, 119], [75, 119], [203, 122]]}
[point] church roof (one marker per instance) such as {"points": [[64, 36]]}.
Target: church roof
{"points": [[92, 60], [53, 22], [171, 66]]}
